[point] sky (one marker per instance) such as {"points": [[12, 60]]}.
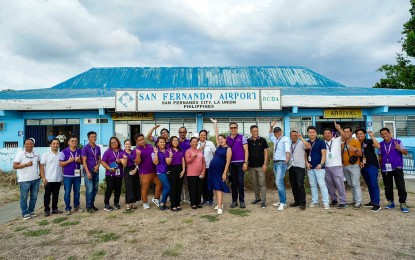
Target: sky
{"points": [[43, 43]]}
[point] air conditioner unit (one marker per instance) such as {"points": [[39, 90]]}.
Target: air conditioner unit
{"points": [[1, 126]]}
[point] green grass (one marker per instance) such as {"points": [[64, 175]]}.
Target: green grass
{"points": [[173, 251], [59, 220], [96, 255], [94, 232], [37, 233], [44, 222], [69, 223], [163, 220], [102, 236], [17, 229], [128, 211], [211, 218], [188, 221], [239, 212], [71, 257], [112, 216]]}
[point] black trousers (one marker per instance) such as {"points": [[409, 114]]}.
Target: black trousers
{"points": [[195, 189], [388, 177], [52, 188], [113, 185], [176, 184], [237, 181], [132, 186], [297, 175], [207, 194]]}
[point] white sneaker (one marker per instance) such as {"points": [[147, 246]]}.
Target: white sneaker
{"points": [[146, 206], [276, 204], [326, 206], [220, 211], [282, 206], [313, 204], [217, 207], [156, 202]]}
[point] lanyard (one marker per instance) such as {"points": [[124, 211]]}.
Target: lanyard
{"points": [[388, 150], [72, 155], [116, 154], [94, 152], [276, 143], [293, 149], [329, 146]]}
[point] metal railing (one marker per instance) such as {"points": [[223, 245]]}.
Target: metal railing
{"points": [[409, 161]]}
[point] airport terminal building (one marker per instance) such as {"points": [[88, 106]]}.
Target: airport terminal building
{"points": [[125, 101]]}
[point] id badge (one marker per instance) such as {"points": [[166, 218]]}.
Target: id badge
{"points": [[388, 167], [292, 158], [364, 160], [309, 158], [330, 155], [77, 172], [117, 172]]}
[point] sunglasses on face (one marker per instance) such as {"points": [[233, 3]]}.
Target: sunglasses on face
{"points": [[233, 127]]}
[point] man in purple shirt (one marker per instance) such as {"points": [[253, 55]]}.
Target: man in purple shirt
{"points": [[391, 161], [70, 161], [184, 146], [239, 164], [91, 159]]}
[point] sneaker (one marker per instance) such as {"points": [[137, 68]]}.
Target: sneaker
{"points": [[79, 210], [94, 208], [33, 214], [146, 206], [156, 202], [369, 205], [357, 206], [26, 217], [326, 206], [294, 204], [90, 210], [203, 202], [277, 204], [375, 208], [234, 204], [163, 207], [302, 207], [333, 203], [57, 211], [255, 201], [404, 208], [342, 206], [263, 205], [313, 204], [391, 205], [68, 212], [220, 211], [242, 205], [47, 213], [281, 207], [108, 208], [116, 206]]}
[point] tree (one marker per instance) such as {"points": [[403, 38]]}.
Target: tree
{"points": [[402, 74]]}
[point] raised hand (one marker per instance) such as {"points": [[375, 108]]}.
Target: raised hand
{"points": [[273, 123], [214, 121], [300, 136], [370, 133], [397, 146], [337, 126], [155, 149]]}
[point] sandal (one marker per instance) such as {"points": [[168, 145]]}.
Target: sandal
{"points": [[175, 209], [179, 209], [194, 207], [128, 208]]}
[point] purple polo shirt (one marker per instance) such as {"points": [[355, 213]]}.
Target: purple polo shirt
{"points": [[109, 157], [130, 157], [92, 154], [161, 167], [69, 169], [237, 146], [177, 157], [184, 145], [390, 154], [146, 166]]}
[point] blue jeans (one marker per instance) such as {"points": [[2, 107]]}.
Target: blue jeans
{"points": [[68, 182], [279, 173], [166, 187], [91, 186], [370, 174], [317, 177], [25, 188]]}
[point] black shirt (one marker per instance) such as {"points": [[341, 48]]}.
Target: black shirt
{"points": [[369, 153], [256, 151]]}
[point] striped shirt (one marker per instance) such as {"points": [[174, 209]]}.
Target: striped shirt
{"points": [[297, 154]]}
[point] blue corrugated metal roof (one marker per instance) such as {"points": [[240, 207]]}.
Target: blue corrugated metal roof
{"points": [[102, 82]]}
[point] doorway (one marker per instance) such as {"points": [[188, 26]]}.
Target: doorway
{"points": [[134, 129]]}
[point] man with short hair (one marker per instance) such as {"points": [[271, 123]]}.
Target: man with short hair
{"points": [[296, 168], [370, 166], [26, 163], [316, 159], [391, 159], [239, 164], [334, 167], [91, 160], [51, 174], [184, 144], [351, 165], [163, 133], [70, 161], [50, 137], [62, 138], [257, 165], [281, 158]]}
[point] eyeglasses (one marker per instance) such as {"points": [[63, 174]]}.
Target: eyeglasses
{"points": [[31, 156], [233, 127]]}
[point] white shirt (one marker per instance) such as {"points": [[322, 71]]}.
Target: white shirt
{"points": [[281, 147], [53, 172], [335, 148], [28, 173], [61, 138], [208, 151]]}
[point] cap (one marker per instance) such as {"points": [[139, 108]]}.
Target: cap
{"points": [[277, 129]]}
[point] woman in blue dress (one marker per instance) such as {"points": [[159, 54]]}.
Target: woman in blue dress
{"points": [[219, 167]]}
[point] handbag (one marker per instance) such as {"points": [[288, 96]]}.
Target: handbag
{"points": [[352, 159]]}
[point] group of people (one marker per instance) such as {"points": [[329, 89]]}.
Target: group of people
{"points": [[195, 168]]}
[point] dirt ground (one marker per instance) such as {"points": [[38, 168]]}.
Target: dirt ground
{"points": [[254, 233], [8, 193]]}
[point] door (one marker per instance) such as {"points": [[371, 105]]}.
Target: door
{"points": [[134, 129]]}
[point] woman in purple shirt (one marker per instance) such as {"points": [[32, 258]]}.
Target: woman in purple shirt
{"points": [[176, 168], [159, 159], [113, 173], [131, 178]]}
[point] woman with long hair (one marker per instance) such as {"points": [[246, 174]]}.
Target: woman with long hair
{"points": [[176, 168], [114, 173], [195, 172], [131, 178], [159, 159]]}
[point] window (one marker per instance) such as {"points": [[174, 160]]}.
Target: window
{"points": [[300, 124], [89, 121], [10, 144], [404, 125]]}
